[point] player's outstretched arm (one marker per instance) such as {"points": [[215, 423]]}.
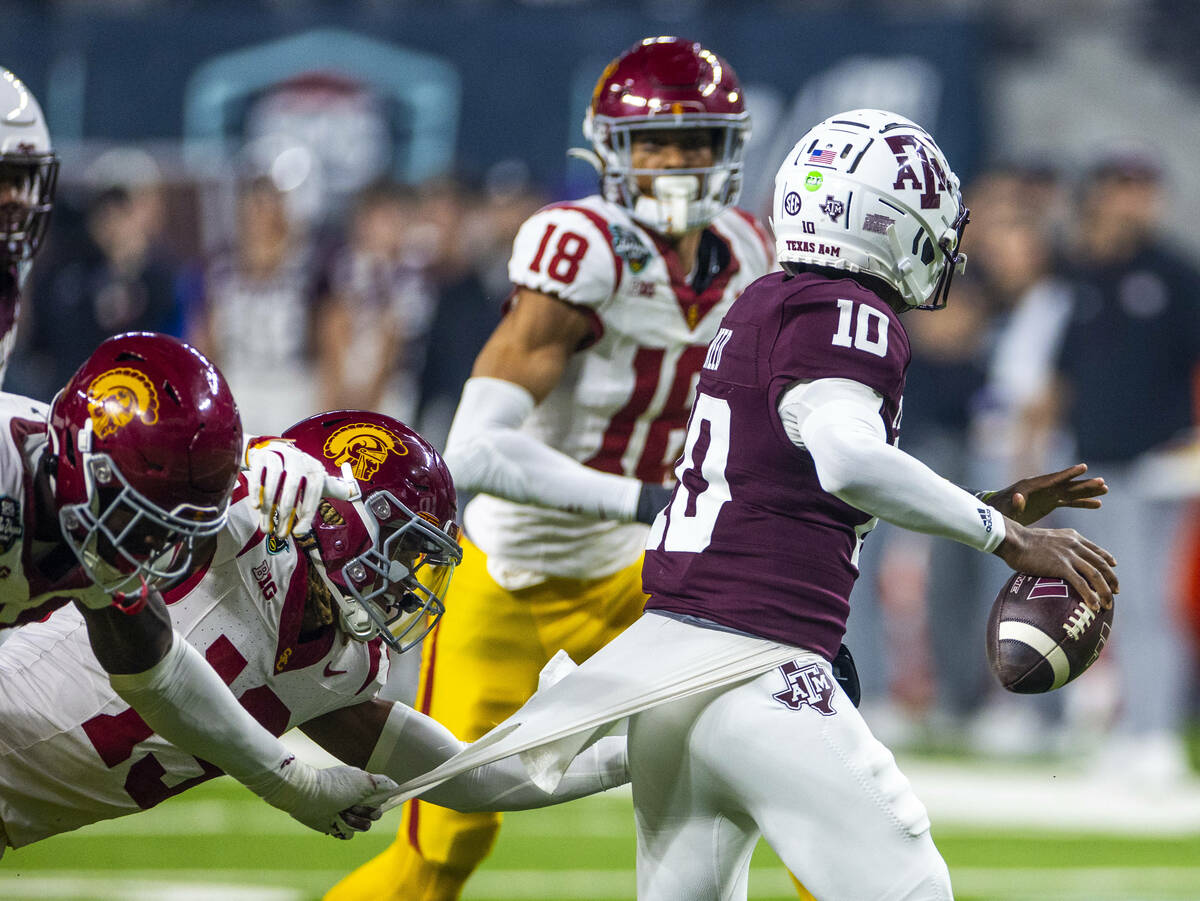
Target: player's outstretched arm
{"points": [[404, 744], [182, 698], [518, 367], [1028, 500]]}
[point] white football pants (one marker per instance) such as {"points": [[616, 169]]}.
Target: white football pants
{"points": [[713, 772]]}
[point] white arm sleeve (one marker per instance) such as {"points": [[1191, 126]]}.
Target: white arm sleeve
{"points": [[486, 451], [412, 743], [838, 421], [183, 699]]}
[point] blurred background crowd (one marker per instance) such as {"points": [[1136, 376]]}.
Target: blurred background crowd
{"points": [[323, 197]]}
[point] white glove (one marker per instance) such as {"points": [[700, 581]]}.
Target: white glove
{"points": [[338, 800], [287, 484]]}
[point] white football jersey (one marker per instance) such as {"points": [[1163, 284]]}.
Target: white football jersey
{"points": [[623, 402], [72, 752], [26, 595]]}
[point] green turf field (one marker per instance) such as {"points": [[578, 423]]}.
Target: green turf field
{"points": [[218, 843]]}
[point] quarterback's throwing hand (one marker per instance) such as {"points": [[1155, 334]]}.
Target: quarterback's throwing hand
{"points": [[286, 486]]}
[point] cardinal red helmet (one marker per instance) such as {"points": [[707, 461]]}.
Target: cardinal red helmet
{"points": [[145, 444], [28, 170], [669, 83], [389, 554]]}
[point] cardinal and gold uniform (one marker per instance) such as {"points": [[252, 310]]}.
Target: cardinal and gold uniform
{"points": [[72, 752]]}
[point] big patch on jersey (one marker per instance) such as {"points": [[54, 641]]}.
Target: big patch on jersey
{"points": [[118, 396], [364, 446], [809, 685]]}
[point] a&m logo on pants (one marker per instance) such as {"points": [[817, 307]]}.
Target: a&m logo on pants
{"points": [[117, 397], [809, 685], [364, 446]]}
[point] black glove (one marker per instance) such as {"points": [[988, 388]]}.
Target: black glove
{"points": [[650, 501], [846, 673]]}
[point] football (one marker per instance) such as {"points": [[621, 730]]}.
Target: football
{"points": [[1041, 635]]}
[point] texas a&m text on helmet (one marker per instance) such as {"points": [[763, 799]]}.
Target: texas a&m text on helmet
{"points": [[388, 555], [145, 446], [870, 192], [669, 83]]}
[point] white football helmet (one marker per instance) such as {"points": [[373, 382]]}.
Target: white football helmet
{"points": [[28, 170], [869, 191]]}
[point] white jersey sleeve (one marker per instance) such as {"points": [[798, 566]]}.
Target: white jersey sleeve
{"points": [[565, 251]]}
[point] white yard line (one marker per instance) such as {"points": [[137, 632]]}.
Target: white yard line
{"points": [[1009, 883], [1050, 797]]}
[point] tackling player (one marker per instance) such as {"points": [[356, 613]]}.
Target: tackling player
{"points": [[295, 627], [104, 497], [575, 411], [28, 174]]}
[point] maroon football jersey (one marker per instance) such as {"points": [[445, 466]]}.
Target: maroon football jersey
{"points": [[750, 540]]}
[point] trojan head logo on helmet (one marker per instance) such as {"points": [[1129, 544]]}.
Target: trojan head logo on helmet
{"points": [[145, 443], [868, 191], [670, 83], [386, 556], [28, 170], [364, 446], [116, 397]]}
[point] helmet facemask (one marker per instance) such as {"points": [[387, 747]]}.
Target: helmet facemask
{"points": [[397, 586], [27, 183], [124, 541], [947, 255], [680, 199]]}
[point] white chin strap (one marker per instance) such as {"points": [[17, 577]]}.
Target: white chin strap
{"points": [[668, 208]]}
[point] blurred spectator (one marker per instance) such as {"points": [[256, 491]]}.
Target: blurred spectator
{"points": [[251, 310], [106, 278], [1128, 356], [1017, 218], [472, 240], [376, 307], [1019, 214]]}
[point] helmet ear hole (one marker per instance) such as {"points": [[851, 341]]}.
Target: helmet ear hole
{"points": [[927, 253]]}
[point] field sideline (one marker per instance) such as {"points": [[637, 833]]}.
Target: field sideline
{"points": [[218, 843]]}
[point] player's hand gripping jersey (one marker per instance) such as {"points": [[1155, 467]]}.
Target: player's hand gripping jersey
{"points": [[622, 404], [86, 756], [26, 595], [779, 552]]}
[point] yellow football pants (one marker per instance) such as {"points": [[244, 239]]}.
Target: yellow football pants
{"points": [[479, 665]]}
